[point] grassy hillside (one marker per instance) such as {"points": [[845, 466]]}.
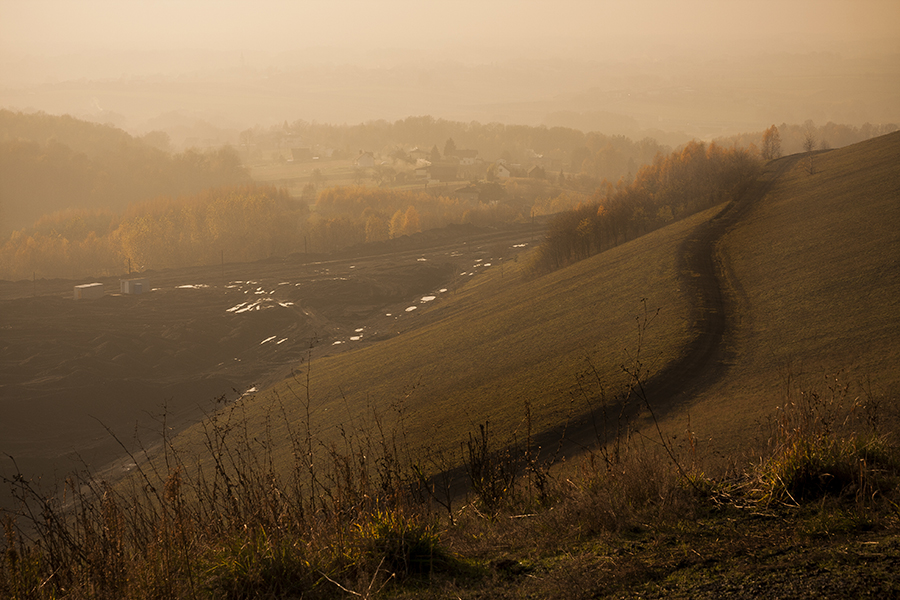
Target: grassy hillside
{"points": [[499, 345], [810, 268], [815, 272]]}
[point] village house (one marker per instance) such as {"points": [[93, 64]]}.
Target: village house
{"points": [[365, 160], [466, 157], [422, 167], [469, 193]]}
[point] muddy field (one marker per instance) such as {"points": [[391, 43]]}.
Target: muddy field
{"points": [[71, 369]]}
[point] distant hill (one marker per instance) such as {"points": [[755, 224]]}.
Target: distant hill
{"points": [[52, 163]]}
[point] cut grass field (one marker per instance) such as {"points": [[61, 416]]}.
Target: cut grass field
{"points": [[293, 176]]}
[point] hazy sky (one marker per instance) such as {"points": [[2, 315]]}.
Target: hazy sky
{"points": [[392, 30], [267, 61]]}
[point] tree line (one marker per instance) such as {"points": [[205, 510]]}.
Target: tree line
{"points": [[786, 139], [672, 187], [594, 154], [247, 222]]}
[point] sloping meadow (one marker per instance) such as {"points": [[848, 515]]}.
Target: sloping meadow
{"points": [[817, 291]]}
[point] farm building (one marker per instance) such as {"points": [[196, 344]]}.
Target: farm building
{"points": [[134, 286], [87, 291]]}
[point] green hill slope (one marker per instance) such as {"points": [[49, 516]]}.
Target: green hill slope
{"points": [[815, 272]]}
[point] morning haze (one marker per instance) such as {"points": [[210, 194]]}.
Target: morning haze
{"points": [[468, 299]]}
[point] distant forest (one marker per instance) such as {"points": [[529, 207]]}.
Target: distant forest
{"points": [[593, 154]]}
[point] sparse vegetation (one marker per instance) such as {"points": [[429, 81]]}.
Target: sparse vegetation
{"points": [[273, 496], [368, 521]]}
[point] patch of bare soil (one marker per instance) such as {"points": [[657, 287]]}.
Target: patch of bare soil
{"points": [[71, 369]]}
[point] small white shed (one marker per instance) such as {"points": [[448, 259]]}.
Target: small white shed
{"points": [[134, 286], [87, 291]]}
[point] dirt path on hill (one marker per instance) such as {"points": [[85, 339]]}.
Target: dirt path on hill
{"points": [[703, 361], [706, 358]]}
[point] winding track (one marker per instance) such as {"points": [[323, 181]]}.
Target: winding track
{"points": [[707, 355], [704, 359]]}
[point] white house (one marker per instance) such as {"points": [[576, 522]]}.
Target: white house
{"points": [[88, 291], [466, 157], [503, 171], [134, 286]]}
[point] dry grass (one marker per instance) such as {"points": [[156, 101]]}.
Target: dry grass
{"points": [[813, 269], [329, 486], [495, 345], [365, 521]]}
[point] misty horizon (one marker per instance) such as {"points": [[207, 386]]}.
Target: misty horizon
{"points": [[702, 69]]}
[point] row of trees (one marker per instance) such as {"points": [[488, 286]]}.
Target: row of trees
{"points": [[351, 215], [672, 187], [787, 139], [247, 222]]}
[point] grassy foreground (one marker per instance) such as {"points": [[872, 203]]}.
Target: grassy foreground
{"points": [[816, 517]]}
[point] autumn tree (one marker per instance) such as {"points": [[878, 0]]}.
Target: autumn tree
{"points": [[809, 144], [672, 187], [771, 143]]}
